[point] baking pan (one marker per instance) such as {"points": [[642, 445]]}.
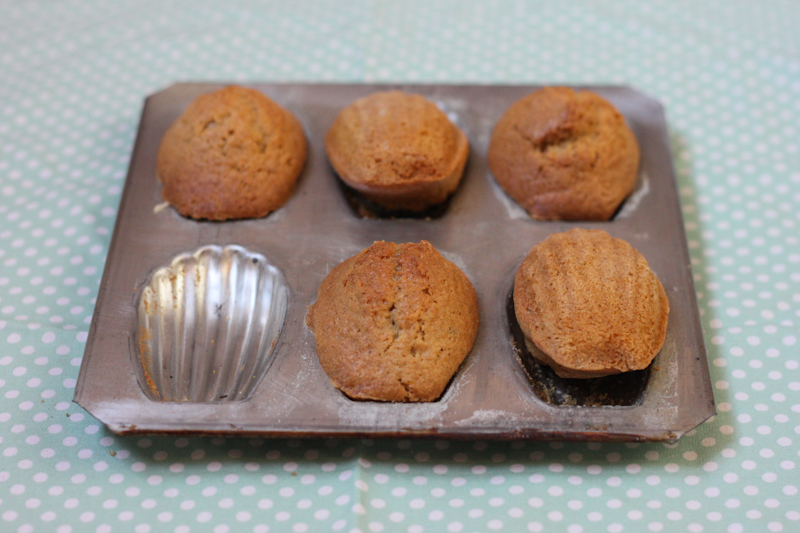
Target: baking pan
{"points": [[499, 392]]}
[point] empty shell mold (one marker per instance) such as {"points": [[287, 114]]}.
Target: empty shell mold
{"points": [[207, 325]]}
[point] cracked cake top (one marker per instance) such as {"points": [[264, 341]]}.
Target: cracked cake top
{"points": [[564, 155], [234, 153], [394, 322]]}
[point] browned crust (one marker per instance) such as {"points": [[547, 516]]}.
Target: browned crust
{"points": [[234, 153], [564, 155], [591, 304], [394, 322], [397, 149]]}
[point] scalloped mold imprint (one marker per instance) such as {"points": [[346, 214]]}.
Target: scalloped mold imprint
{"points": [[207, 325]]}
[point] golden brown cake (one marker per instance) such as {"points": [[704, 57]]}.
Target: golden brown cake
{"points": [[394, 322], [398, 150], [564, 155], [590, 304], [234, 153]]}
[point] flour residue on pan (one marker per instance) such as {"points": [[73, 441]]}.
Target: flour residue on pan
{"points": [[457, 260], [367, 414], [489, 417], [454, 109], [633, 201], [515, 211]]}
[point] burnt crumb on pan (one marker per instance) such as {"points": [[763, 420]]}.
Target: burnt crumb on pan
{"points": [[144, 356], [363, 207]]}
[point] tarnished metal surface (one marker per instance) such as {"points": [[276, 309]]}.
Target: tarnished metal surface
{"points": [[497, 393]]}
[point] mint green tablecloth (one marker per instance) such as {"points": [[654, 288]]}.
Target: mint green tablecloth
{"points": [[73, 76]]}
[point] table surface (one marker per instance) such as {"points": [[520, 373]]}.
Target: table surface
{"points": [[73, 77]]}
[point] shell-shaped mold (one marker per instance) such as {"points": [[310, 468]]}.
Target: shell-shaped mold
{"points": [[208, 323]]}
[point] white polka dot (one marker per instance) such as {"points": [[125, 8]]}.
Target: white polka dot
{"points": [[535, 502]]}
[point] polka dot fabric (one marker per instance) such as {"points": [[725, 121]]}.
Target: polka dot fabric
{"points": [[74, 75]]}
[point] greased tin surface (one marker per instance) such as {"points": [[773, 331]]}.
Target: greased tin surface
{"points": [[498, 392]]}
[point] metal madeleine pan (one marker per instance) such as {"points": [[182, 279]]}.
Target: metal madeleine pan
{"points": [[499, 392]]}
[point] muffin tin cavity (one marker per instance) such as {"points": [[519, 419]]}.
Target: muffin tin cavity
{"points": [[208, 323], [205, 328]]}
